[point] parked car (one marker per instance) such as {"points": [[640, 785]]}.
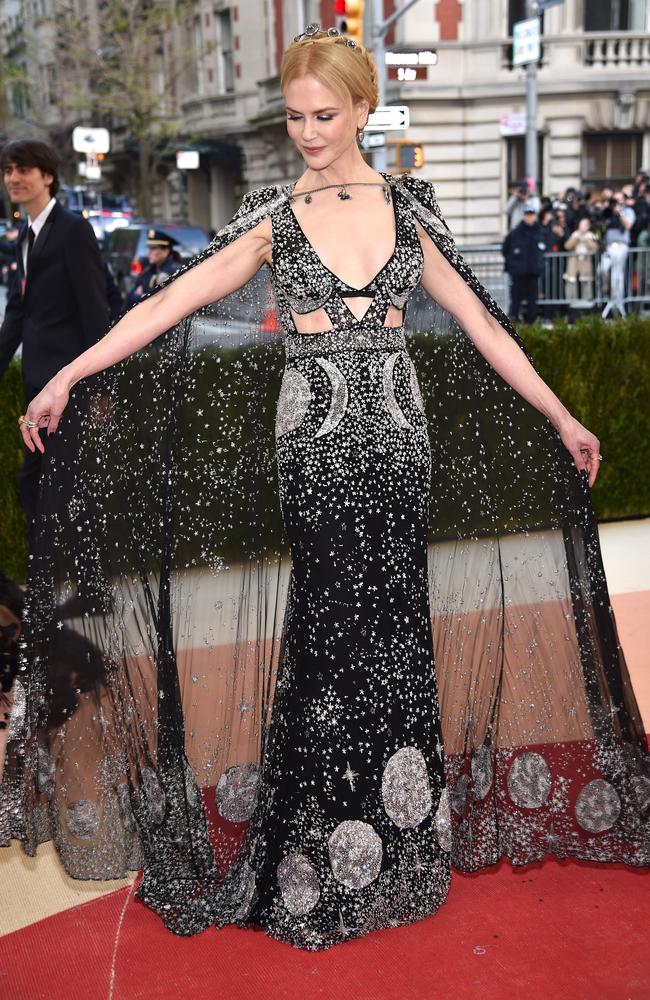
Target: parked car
{"points": [[125, 249]]}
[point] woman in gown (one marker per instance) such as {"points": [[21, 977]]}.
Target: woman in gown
{"points": [[293, 777]]}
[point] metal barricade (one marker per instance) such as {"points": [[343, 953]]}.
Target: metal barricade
{"points": [[615, 280]]}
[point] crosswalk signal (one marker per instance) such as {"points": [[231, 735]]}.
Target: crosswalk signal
{"points": [[410, 156], [349, 18]]}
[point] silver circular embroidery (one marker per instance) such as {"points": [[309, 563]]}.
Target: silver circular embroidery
{"points": [[237, 792], [82, 819], [405, 788], [458, 794], [482, 772], [154, 795], [298, 883], [641, 786], [126, 812], [443, 821], [293, 402], [355, 853], [597, 806], [45, 772], [529, 780]]}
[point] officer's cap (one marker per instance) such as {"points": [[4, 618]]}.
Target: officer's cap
{"points": [[156, 238]]}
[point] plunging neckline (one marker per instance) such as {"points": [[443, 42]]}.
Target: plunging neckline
{"points": [[322, 262]]}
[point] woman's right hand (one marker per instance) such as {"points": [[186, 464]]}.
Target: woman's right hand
{"points": [[44, 411]]}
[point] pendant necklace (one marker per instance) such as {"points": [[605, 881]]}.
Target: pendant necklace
{"points": [[343, 193]]}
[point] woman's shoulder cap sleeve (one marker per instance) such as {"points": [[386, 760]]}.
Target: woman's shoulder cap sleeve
{"points": [[421, 189], [260, 197]]}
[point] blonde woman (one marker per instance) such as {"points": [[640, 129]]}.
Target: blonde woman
{"points": [[340, 789]]}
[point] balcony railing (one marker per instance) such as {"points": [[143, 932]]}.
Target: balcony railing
{"points": [[617, 49], [605, 50]]}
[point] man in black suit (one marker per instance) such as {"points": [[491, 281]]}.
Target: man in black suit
{"points": [[59, 304]]}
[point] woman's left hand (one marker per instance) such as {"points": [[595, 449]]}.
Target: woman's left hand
{"points": [[583, 446]]}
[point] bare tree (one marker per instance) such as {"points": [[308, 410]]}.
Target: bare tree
{"points": [[120, 62]]}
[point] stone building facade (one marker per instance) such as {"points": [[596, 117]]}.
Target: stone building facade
{"points": [[593, 115]]}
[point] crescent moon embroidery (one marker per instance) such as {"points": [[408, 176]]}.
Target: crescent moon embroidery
{"points": [[389, 393], [339, 403]]}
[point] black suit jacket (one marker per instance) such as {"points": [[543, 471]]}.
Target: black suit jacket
{"points": [[61, 308]]}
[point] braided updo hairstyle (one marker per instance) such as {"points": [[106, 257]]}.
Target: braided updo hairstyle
{"points": [[349, 71]]}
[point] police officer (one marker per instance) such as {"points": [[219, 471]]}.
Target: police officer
{"points": [[163, 261], [523, 249]]}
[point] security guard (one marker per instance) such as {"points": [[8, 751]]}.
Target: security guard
{"points": [[523, 249], [163, 261]]}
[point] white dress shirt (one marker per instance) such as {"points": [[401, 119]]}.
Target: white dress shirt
{"points": [[36, 224]]}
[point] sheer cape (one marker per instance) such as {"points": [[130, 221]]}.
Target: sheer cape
{"points": [[157, 594]]}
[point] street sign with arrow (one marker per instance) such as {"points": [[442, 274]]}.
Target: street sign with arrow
{"points": [[390, 118]]}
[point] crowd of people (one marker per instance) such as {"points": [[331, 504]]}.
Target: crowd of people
{"points": [[594, 234]]}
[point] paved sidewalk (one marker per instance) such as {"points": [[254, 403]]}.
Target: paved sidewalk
{"points": [[626, 554]]}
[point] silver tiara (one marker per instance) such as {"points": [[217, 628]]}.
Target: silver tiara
{"points": [[313, 30]]}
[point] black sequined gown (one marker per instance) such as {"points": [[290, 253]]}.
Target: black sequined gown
{"points": [[352, 831], [149, 730]]}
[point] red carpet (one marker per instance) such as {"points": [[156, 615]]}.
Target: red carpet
{"points": [[557, 931]]}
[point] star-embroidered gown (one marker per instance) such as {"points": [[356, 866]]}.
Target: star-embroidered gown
{"points": [[338, 619]]}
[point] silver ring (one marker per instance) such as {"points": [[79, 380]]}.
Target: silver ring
{"points": [[31, 423]]}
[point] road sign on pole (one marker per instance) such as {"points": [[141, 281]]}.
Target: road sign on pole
{"points": [[526, 42], [390, 118], [90, 140]]}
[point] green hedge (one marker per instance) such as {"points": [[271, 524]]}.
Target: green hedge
{"points": [[600, 369]]}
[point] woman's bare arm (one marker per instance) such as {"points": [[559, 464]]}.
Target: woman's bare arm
{"points": [[213, 279], [446, 286]]}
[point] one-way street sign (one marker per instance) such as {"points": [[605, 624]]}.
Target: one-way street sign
{"points": [[391, 118]]}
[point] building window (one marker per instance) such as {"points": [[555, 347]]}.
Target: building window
{"points": [[610, 157], [617, 15], [517, 12], [516, 159], [225, 54]]}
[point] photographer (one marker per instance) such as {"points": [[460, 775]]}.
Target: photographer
{"points": [[515, 204], [553, 235], [617, 217]]}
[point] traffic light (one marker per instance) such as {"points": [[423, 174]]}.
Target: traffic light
{"points": [[349, 18], [410, 156]]}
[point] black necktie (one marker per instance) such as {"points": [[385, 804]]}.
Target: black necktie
{"points": [[31, 236]]}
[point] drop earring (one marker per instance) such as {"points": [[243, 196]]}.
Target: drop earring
{"points": [[361, 135]]}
